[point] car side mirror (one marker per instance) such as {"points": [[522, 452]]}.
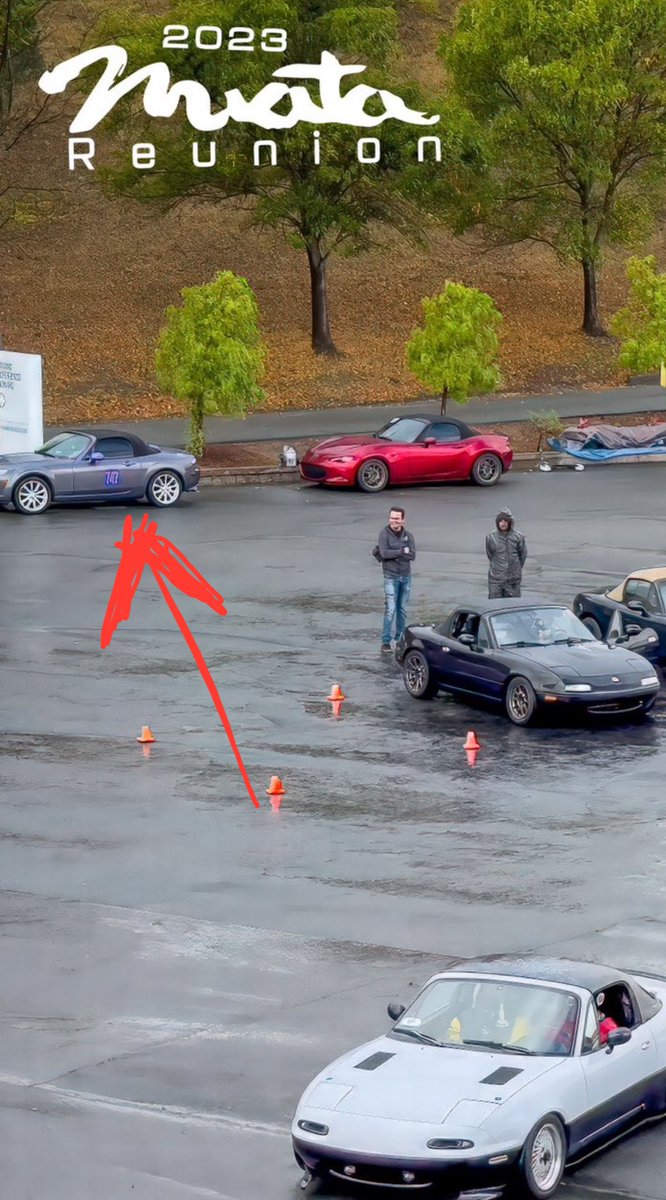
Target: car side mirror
{"points": [[96, 456], [467, 639], [617, 1037], [395, 1010], [429, 441]]}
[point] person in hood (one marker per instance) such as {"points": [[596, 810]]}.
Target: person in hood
{"points": [[506, 549]]}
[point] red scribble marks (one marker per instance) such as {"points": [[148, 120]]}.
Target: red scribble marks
{"points": [[141, 548]]}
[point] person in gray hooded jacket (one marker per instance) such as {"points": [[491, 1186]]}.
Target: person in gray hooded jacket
{"points": [[506, 549]]}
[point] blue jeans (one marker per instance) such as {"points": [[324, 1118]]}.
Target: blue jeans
{"points": [[396, 599]]}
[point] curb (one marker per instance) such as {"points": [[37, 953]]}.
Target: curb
{"points": [[256, 476]]}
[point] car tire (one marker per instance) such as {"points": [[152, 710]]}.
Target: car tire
{"points": [[520, 701], [594, 627], [543, 1159], [164, 490], [487, 470], [417, 677], [373, 475], [32, 496]]}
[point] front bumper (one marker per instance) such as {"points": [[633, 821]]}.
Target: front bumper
{"points": [[330, 473], [488, 1171], [602, 703]]}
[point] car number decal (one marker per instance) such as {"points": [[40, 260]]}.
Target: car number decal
{"points": [[112, 479]]}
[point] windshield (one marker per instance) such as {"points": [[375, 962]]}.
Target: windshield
{"points": [[518, 1018], [64, 445], [402, 429], [539, 627]]}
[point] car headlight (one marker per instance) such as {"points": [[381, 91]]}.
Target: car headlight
{"points": [[449, 1144], [313, 1127], [649, 681], [578, 687]]}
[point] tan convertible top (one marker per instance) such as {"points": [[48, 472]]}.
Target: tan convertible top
{"points": [[651, 574]]}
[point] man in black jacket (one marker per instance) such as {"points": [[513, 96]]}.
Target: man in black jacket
{"points": [[396, 551], [506, 550]]}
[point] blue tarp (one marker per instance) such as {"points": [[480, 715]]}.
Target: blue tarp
{"points": [[600, 455]]}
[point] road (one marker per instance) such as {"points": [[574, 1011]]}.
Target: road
{"points": [[330, 422], [176, 965]]}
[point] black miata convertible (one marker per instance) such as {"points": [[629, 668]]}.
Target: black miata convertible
{"points": [[529, 658], [639, 599]]}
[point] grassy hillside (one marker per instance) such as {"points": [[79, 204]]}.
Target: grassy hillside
{"points": [[88, 288]]}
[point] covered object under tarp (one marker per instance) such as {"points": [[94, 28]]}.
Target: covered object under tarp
{"points": [[603, 443]]}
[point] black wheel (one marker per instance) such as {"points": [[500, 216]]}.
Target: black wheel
{"points": [[373, 475], [417, 677], [543, 1159], [487, 470], [520, 701], [32, 496], [593, 626], [164, 489]]}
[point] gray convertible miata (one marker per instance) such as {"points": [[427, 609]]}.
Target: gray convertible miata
{"points": [[84, 466], [500, 1071]]}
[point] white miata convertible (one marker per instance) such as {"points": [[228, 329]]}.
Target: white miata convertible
{"points": [[503, 1071]]}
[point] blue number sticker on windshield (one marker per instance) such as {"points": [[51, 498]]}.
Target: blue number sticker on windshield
{"points": [[112, 479]]}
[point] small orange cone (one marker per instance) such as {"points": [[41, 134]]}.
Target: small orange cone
{"points": [[336, 692], [146, 734], [275, 787], [472, 756], [471, 742]]}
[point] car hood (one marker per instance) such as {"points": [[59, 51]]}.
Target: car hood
{"points": [[421, 1083], [585, 659], [348, 445], [18, 460]]}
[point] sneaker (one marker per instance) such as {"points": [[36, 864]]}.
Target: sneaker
{"points": [[386, 647]]}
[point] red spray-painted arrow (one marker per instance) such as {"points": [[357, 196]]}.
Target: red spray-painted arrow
{"points": [[141, 548]]}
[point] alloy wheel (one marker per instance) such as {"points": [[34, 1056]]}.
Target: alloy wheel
{"points": [[547, 1158], [165, 489], [33, 496]]}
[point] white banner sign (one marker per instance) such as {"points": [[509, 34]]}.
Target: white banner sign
{"points": [[21, 420]]}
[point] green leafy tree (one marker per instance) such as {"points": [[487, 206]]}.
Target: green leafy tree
{"points": [[339, 206], [641, 326], [211, 352], [570, 98], [454, 352]]}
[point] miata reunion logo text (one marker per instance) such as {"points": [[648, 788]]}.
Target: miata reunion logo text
{"points": [[161, 98]]}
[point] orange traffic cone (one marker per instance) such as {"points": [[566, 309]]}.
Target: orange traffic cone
{"points": [[470, 742], [275, 787], [336, 692], [146, 734], [472, 756]]}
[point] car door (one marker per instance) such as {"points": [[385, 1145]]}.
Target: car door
{"points": [[118, 473], [443, 458], [614, 1082], [642, 592], [471, 668]]}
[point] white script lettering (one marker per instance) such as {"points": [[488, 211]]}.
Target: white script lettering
{"points": [[161, 97]]}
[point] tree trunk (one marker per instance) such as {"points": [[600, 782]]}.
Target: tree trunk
{"points": [[197, 439], [591, 321], [445, 396], [322, 342]]}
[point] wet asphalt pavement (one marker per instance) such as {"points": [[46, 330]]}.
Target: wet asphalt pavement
{"points": [[177, 965]]}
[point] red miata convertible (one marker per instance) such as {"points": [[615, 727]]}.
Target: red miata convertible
{"points": [[412, 449]]}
